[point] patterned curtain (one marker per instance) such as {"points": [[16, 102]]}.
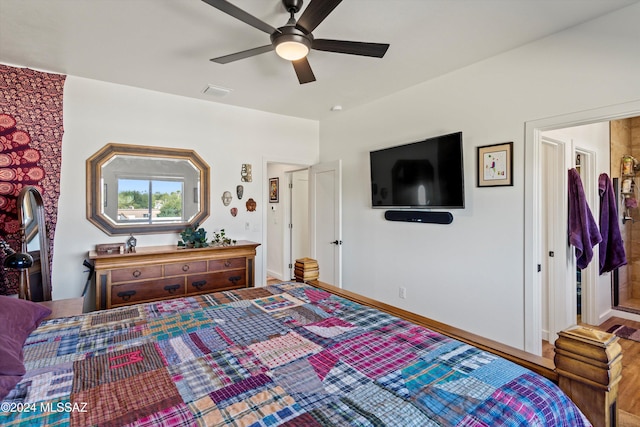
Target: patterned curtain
{"points": [[30, 152]]}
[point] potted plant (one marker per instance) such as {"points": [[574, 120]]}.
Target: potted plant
{"points": [[193, 237], [220, 239]]}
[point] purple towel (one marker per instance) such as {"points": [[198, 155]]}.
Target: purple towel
{"points": [[583, 230], [611, 252]]}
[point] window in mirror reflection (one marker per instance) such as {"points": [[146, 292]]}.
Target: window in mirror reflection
{"points": [[150, 201]]}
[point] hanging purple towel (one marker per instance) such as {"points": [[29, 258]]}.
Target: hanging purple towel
{"points": [[611, 252], [583, 230]]}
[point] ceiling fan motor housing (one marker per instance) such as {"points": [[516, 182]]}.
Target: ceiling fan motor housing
{"points": [[291, 34]]}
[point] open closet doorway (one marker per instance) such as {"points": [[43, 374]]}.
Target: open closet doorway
{"points": [[303, 223], [287, 220], [576, 132]]}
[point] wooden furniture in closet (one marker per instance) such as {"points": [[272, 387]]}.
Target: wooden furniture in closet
{"points": [[163, 272]]}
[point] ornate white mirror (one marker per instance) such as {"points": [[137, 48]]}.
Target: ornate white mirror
{"points": [[35, 282], [139, 189]]}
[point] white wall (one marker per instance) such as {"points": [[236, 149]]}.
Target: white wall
{"points": [[471, 273], [96, 113]]}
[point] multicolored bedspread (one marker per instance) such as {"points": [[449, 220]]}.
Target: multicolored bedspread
{"points": [[287, 354]]}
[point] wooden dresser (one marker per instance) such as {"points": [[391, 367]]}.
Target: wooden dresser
{"points": [[162, 272]]}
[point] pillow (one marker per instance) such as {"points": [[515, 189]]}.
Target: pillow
{"points": [[18, 318]]}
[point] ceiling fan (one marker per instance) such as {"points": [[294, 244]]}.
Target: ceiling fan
{"points": [[294, 40]]}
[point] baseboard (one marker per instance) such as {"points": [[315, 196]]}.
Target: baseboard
{"points": [[545, 335], [623, 315], [275, 274]]}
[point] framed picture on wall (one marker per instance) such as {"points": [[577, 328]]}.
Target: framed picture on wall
{"points": [[274, 189], [495, 165]]}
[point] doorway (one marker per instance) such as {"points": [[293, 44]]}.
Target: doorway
{"points": [[304, 223], [288, 212], [599, 299], [625, 137]]}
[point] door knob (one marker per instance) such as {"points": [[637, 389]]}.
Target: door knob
{"points": [[336, 242]]}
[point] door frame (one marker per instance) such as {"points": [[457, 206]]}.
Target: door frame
{"points": [[532, 195], [263, 248]]}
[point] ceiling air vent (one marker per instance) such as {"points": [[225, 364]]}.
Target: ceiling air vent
{"points": [[216, 91]]}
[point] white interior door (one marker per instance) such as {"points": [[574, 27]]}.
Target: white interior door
{"points": [[299, 225], [325, 209], [559, 276], [552, 255]]}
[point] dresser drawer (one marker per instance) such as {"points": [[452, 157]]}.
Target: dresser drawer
{"points": [[131, 293], [185, 268], [211, 282], [136, 273], [226, 264]]}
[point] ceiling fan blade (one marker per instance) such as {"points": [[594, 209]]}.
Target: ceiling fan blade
{"points": [[303, 71], [242, 55], [352, 48], [240, 14], [315, 13]]}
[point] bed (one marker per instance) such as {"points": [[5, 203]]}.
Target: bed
{"points": [[288, 354]]}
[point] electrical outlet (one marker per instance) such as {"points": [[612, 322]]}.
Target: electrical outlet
{"points": [[403, 292]]}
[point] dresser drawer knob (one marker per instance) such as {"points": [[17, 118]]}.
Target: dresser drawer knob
{"points": [[185, 267], [199, 284], [227, 263], [137, 273], [172, 288], [235, 279], [126, 295]]}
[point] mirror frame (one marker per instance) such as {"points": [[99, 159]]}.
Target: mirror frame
{"points": [[94, 193], [39, 217]]}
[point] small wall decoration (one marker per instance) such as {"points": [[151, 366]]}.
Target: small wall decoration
{"points": [[239, 191], [274, 190], [234, 212], [226, 198], [495, 165], [245, 173], [251, 205]]}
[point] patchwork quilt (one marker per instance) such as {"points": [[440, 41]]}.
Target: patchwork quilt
{"points": [[287, 354]]}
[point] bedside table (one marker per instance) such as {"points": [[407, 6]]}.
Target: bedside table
{"points": [[64, 307]]}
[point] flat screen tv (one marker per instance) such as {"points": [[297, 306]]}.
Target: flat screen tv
{"points": [[426, 174]]}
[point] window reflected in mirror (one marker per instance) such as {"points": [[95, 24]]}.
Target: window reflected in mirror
{"points": [[150, 201]]}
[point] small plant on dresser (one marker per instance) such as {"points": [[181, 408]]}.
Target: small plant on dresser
{"points": [[221, 239], [193, 237]]}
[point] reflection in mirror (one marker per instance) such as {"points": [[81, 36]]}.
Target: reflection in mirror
{"points": [[146, 189], [35, 282]]}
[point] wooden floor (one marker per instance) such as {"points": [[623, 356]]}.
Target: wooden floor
{"points": [[629, 391]]}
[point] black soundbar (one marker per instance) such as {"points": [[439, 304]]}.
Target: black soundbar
{"points": [[419, 216]]}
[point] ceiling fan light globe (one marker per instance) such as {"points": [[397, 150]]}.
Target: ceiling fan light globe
{"points": [[292, 50]]}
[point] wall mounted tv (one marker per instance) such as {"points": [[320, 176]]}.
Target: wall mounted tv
{"points": [[425, 175]]}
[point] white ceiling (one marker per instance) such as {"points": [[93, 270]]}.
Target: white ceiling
{"points": [[165, 45]]}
